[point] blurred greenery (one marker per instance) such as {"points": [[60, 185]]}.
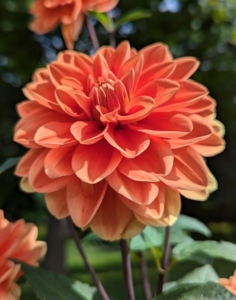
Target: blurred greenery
{"points": [[205, 29]]}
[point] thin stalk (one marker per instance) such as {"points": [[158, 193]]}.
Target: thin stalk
{"points": [[144, 276], [165, 262], [97, 282], [92, 33], [127, 270], [111, 31]]}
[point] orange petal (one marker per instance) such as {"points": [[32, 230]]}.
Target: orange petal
{"points": [[210, 146], [161, 90], [26, 107], [156, 71], [189, 171], [57, 162], [136, 110], [43, 93], [156, 160], [152, 212], [66, 99], [56, 203], [88, 133], [24, 165], [128, 142], [121, 55], [138, 191], [111, 218], [40, 181], [155, 53], [84, 199], [100, 67], [201, 131], [189, 92], [185, 67], [166, 125], [95, 162], [55, 135], [133, 228]]}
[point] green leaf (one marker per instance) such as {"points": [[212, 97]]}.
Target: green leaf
{"points": [[104, 20], [192, 225], [149, 238], [132, 15], [199, 275], [9, 163], [49, 286], [199, 249], [176, 292], [207, 291]]}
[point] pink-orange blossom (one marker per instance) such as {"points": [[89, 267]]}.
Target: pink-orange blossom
{"points": [[116, 138], [69, 13], [18, 241], [229, 283]]}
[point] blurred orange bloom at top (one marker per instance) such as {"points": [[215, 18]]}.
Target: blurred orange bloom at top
{"points": [[229, 283], [18, 241], [116, 138], [69, 13]]}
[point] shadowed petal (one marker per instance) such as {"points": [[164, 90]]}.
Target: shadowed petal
{"points": [[127, 141], [156, 160], [84, 199], [137, 110], [88, 133], [66, 99], [38, 179], [133, 228], [56, 203], [137, 191], [94, 162], [24, 165], [111, 218], [171, 210], [152, 212], [57, 162]]}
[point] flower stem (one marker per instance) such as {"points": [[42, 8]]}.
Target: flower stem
{"points": [[165, 262], [92, 33], [127, 270], [144, 275], [112, 31], [97, 282]]}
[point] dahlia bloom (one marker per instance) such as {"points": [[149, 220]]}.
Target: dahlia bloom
{"points": [[229, 284], [18, 241], [69, 13], [115, 138]]}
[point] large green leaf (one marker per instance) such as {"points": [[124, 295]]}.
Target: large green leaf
{"points": [[149, 238], [198, 249], [199, 275], [49, 286], [9, 163], [207, 291], [132, 15], [192, 225]]}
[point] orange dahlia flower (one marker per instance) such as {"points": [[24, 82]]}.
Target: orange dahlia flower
{"points": [[69, 13], [229, 284], [116, 138], [18, 241]]}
